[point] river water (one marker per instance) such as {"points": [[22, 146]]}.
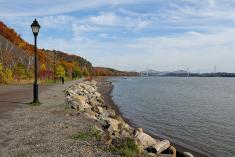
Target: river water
{"points": [[196, 113]]}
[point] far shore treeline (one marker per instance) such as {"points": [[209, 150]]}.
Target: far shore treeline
{"points": [[17, 62]]}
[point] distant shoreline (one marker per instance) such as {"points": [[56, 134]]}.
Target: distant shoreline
{"points": [[105, 87], [185, 74]]}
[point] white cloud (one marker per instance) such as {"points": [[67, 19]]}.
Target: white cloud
{"points": [[112, 19], [60, 21], [109, 19], [11, 8], [103, 35], [82, 28], [211, 9]]}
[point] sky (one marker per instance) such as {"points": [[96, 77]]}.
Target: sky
{"points": [[164, 35]]}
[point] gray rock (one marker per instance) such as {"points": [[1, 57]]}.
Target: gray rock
{"points": [[113, 123], [88, 112], [124, 133], [74, 105], [187, 154], [101, 110], [143, 140], [95, 109], [90, 89], [94, 102], [81, 100], [158, 147], [173, 151]]}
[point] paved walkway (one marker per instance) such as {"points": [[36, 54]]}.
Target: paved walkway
{"points": [[43, 130], [12, 96]]}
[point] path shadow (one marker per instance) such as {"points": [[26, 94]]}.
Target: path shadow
{"points": [[15, 102]]}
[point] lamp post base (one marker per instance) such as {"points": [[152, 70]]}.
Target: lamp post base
{"points": [[35, 95]]}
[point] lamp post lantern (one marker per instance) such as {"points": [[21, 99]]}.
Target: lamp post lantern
{"points": [[35, 29]]}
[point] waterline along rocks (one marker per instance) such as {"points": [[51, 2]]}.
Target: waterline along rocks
{"points": [[84, 98]]}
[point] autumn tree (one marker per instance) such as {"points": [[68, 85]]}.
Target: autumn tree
{"points": [[60, 71], [6, 75], [1, 73], [68, 68], [76, 72], [20, 71], [85, 72], [42, 71]]}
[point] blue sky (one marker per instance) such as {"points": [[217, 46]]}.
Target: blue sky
{"points": [[133, 34]]}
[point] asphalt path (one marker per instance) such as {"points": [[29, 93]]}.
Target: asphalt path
{"points": [[12, 96]]}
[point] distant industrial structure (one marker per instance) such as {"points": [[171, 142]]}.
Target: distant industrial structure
{"points": [[215, 70]]}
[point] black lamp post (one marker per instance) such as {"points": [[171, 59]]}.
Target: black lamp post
{"points": [[54, 65], [35, 29]]}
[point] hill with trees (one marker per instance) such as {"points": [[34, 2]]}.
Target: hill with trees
{"points": [[102, 71], [17, 60]]}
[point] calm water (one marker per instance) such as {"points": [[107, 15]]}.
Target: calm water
{"points": [[197, 113]]}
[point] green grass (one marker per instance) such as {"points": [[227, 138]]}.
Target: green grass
{"points": [[96, 133], [66, 107], [35, 104], [125, 147], [87, 135]]}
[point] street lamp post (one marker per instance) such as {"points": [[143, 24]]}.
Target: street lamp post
{"points": [[54, 65], [35, 29]]}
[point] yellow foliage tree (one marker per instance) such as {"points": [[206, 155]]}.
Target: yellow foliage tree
{"points": [[43, 68], [60, 71], [6, 75]]}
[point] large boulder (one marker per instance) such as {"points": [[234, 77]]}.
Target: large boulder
{"points": [[89, 113], [74, 105], [123, 124], [113, 123], [111, 126], [69, 98], [94, 102], [125, 133], [76, 90], [143, 140], [90, 89], [70, 92], [110, 113], [100, 109], [81, 100], [93, 83], [124, 129], [172, 151], [158, 147], [97, 94]]}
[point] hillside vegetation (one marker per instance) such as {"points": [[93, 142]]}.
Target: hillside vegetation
{"points": [[17, 60], [102, 71]]}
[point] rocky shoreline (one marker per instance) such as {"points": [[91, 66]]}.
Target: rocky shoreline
{"points": [[85, 98]]}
